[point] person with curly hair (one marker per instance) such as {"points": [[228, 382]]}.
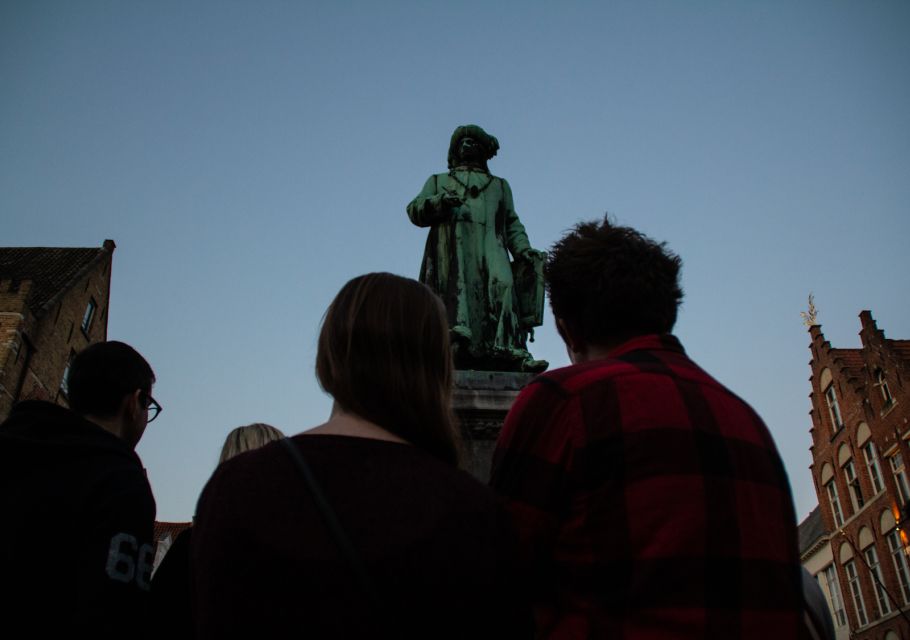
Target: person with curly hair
{"points": [[651, 500]]}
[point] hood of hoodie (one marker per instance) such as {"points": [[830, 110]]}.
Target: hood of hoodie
{"points": [[35, 424], [56, 466]]}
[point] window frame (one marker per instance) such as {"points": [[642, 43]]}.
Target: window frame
{"points": [[853, 486], [834, 500], [837, 416], [878, 580], [900, 477], [64, 387], [901, 566], [883, 388], [88, 316], [873, 467], [856, 592], [835, 596]]}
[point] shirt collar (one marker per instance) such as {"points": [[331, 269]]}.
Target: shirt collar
{"points": [[649, 342]]}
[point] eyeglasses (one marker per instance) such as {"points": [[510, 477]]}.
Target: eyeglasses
{"points": [[153, 408]]}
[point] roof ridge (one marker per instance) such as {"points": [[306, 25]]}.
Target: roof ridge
{"points": [[107, 248]]}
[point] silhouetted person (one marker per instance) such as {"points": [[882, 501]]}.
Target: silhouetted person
{"points": [[171, 614], [417, 548], [77, 509], [650, 499]]}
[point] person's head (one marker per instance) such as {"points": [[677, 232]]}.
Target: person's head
{"points": [[608, 283], [384, 356], [471, 146], [111, 383], [247, 438]]}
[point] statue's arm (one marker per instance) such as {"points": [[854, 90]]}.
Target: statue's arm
{"points": [[516, 237], [431, 206]]}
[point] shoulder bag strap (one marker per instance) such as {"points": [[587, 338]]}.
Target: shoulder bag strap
{"points": [[334, 525]]}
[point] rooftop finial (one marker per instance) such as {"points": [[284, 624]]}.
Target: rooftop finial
{"points": [[810, 316]]}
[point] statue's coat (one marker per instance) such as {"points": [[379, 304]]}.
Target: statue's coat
{"points": [[467, 260]]}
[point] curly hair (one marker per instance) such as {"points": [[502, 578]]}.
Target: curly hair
{"points": [[607, 281]]}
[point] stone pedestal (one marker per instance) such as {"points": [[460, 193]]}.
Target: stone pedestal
{"points": [[481, 401]]}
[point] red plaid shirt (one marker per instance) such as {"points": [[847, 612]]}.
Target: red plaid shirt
{"points": [[651, 501]]}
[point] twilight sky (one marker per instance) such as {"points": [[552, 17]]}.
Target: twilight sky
{"points": [[249, 158]]}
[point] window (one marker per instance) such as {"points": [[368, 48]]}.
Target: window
{"points": [[900, 477], [835, 503], [834, 408], [836, 600], [900, 563], [881, 597], [882, 385], [859, 605], [89, 315], [875, 473], [856, 493], [64, 387]]}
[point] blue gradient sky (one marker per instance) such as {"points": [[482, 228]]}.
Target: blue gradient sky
{"points": [[249, 158]]}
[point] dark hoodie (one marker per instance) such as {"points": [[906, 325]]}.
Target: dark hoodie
{"points": [[76, 534]]}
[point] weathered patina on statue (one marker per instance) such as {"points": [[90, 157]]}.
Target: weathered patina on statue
{"points": [[493, 304]]}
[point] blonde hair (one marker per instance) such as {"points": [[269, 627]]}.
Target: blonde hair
{"points": [[247, 438]]}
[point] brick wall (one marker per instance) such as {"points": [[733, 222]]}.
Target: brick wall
{"points": [[53, 336], [14, 314], [866, 417]]}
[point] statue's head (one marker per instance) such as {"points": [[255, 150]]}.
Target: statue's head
{"points": [[471, 146]]}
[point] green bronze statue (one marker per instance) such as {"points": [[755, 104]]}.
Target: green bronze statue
{"points": [[493, 304]]}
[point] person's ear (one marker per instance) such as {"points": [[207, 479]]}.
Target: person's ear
{"points": [[568, 336], [132, 424], [132, 404]]}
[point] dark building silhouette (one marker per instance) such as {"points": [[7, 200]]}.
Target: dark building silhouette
{"points": [[53, 303]]}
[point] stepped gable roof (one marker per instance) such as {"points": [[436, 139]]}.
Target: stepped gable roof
{"points": [[850, 359], [52, 270], [810, 531], [901, 347]]}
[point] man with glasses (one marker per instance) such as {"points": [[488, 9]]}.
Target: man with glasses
{"points": [[78, 509]]}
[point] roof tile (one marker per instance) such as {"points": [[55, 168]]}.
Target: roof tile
{"points": [[51, 269], [163, 529], [810, 530]]}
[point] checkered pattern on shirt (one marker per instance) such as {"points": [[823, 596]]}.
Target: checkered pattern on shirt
{"points": [[651, 501]]}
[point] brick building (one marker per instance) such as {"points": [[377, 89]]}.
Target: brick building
{"points": [[163, 537], [53, 303], [856, 542]]}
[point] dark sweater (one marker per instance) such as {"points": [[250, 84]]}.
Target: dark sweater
{"points": [[77, 528], [436, 543], [171, 612]]}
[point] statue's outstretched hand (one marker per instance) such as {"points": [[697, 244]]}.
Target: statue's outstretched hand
{"points": [[451, 202], [455, 206]]}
